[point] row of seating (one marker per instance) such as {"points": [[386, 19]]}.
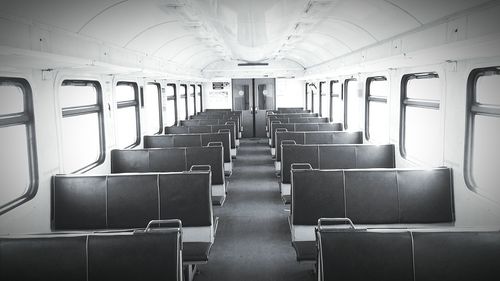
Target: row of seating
{"points": [[124, 255], [299, 127], [407, 255], [174, 159], [175, 177], [360, 183], [327, 156], [195, 140]]}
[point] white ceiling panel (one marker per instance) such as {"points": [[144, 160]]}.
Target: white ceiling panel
{"points": [[430, 10], [70, 15], [125, 21]]}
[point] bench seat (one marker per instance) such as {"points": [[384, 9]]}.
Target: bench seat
{"points": [[129, 201], [388, 198], [408, 255], [86, 256]]}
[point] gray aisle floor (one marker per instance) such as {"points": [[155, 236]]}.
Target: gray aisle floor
{"points": [[253, 237]]}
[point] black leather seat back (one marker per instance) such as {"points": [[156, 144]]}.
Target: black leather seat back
{"points": [[79, 202], [190, 140], [223, 137], [151, 256], [186, 198], [374, 196], [325, 137], [130, 200], [298, 154], [303, 127], [44, 259], [316, 194], [159, 141], [361, 256], [457, 256], [213, 156], [172, 130], [92, 257], [409, 255], [174, 159], [337, 157]]}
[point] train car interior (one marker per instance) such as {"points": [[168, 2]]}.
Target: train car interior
{"points": [[270, 140]]}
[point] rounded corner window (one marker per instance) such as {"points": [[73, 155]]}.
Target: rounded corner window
{"points": [[18, 152]]}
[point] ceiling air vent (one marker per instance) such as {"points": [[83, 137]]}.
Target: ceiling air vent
{"points": [[253, 64]]}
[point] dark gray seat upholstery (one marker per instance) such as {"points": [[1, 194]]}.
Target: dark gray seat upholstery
{"points": [[86, 257], [409, 255], [174, 159], [196, 129], [372, 196], [336, 156], [326, 137], [188, 140], [302, 127], [306, 118], [118, 201]]}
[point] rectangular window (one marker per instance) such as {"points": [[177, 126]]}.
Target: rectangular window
{"points": [[152, 109], [127, 123], [482, 172], [18, 161], [353, 105], [191, 100], [170, 116], [82, 125], [377, 109], [198, 99], [337, 100], [315, 96], [309, 98], [421, 136], [325, 100], [182, 105]]}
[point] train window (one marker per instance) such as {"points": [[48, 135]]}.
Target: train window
{"points": [[152, 109], [127, 123], [181, 106], [191, 100], [170, 105], [352, 105], [483, 120], [324, 100], [309, 98], [421, 136], [198, 98], [377, 109], [82, 125], [337, 100], [18, 161], [315, 96]]}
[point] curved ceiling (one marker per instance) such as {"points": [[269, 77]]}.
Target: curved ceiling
{"points": [[198, 33]]}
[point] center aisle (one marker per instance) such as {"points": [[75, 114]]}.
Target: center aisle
{"points": [[253, 238]]}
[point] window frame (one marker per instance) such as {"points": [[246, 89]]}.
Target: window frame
{"points": [[98, 108], [200, 88], [160, 109], [321, 94], [307, 95], [340, 96], [174, 98], [132, 103], [345, 98], [185, 99], [473, 108], [193, 86], [412, 102], [26, 118], [369, 98]]}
